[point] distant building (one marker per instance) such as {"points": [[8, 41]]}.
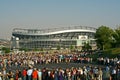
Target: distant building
{"points": [[4, 43], [52, 38]]}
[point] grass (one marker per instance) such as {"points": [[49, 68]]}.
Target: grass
{"points": [[114, 52], [111, 53]]}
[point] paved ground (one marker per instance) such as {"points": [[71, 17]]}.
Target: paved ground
{"points": [[66, 65], [59, 65]]}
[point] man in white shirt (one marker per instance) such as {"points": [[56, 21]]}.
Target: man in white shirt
{"points": [[29, 73]]}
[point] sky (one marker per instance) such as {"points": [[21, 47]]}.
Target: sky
{"points": [[42, 14]]}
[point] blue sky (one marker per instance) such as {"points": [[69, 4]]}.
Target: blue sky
{"points": [[37, 14]]}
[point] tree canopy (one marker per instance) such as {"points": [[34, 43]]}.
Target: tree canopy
{"points": [[6, 50], [104, 37], [116, 36], [86, 46]]}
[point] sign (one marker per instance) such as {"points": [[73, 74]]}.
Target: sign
{"points": [[83, 37]]}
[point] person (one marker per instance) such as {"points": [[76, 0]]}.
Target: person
{"points": [[24, 74], [35, 74], [4, 73], [52, 75], [100, 73], [60, 76], [39, 74], [16, 75], [45, 75], [113, 74], [95, 71], [106, 73], [19, 75], [66, 74], [10, 75], [0, 76], [56, 74], [29, 73]]}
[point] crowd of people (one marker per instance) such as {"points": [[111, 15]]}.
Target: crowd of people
{"points": [[81, 73], [27, 70], [107, 61], [26, 59]]}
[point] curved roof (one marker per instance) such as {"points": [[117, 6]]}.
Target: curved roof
{"points": [[53, 31]]}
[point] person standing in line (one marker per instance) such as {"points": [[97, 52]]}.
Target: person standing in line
{"points": [[106, 73], [60, 76], [10, 75], [24, 74], [19, 75], [52, 75], [56, 74], [29, 73], [100, 73], [4, 74], [35, 74], [16, 74], [39, 74], [114, 74]]}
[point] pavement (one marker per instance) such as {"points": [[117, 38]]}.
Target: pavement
{"points": [[56, 65]]}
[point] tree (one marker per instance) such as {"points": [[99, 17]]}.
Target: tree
{"points": [[58, 47], [86, 47], [6, 50], [116, 36], [35, 49], [24, 49], [71, 47], [104, 37]]}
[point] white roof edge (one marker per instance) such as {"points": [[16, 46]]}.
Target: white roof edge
{"points": [[63, 31], [58, 32]]}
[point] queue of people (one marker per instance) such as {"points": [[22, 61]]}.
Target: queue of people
{"points": [[81, 73], [26, 70]]}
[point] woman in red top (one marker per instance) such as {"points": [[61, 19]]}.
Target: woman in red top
{"points": [[24, 74], [35, 74]]}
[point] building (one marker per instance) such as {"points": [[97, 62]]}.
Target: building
{"points": [[52, 38], [4, 43]]}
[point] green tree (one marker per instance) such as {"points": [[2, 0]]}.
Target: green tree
{"points": [[35, 49], [24, 49], [71, 47], [58, 47], [86, 46], [6, 50], [104, 37], [116, 36]]}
